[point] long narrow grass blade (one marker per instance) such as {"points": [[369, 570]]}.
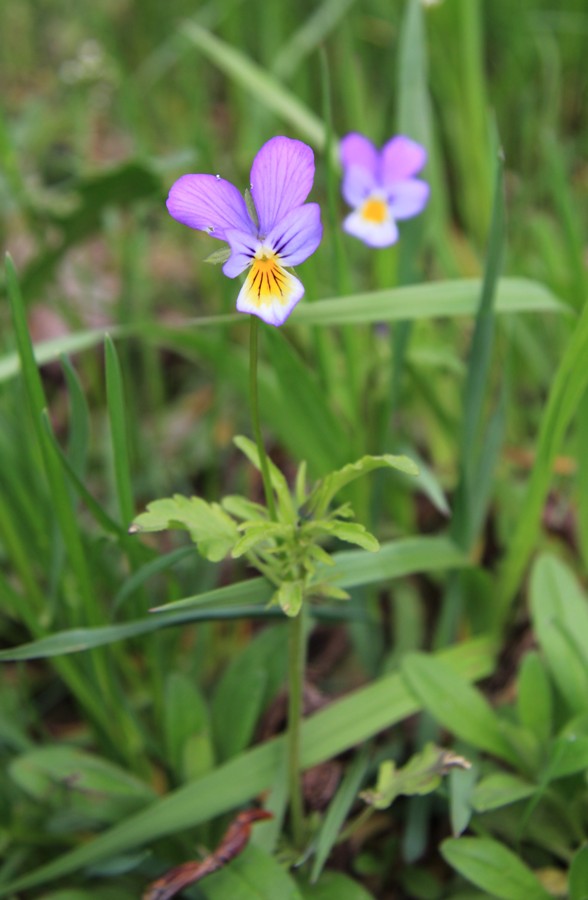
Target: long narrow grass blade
{"points": [[249, 598], [310, 35], [478, 370], [427, 301], [264, 87], [567, 390], [118, 431], [338, 811], [433, 300], [354, 568]]}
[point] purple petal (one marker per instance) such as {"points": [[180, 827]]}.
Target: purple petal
{"points": [[297, 235], [407, 198], [357, 150], [243, 248], [374, 234], [358, 183], [401, 158], [281, 178], [270, 292], [210, 204]]}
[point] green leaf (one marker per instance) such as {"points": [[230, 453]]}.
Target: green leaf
{"points": [[257, 533], [186, 726], [344, 724], [498, 790], [335, 886], [568, 756], [286, 510], [252, 875], [426, 301], [456, 705], [326, 489], [244, 509], [211, 529], [337, 812], [567, 390], [250, 681], [578, 875], [535, 697], [490, 866], [68, 778], [420, 775], [289, 596], [461, 784], [353, 533], [560, 617]]}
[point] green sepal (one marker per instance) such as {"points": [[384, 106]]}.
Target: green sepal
{"points": [[218, 257], [286, 510], [289, 596], [212, 530], [250, 204], [421, 775], [326, 489]]}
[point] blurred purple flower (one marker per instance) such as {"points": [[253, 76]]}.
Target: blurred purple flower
{"points": [[284, 232], [379, 185]]}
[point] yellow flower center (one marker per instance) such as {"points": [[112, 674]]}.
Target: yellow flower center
{"points": [[375, 210], [267, 280]]}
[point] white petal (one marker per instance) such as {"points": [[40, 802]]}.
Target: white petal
{"points": [[375, 234], [269, 292]]}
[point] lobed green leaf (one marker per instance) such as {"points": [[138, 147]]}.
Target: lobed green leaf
{"points": [[211, 529]]}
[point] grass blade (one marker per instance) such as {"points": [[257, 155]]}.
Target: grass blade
{"points": [[264, 88], [567, 390]]}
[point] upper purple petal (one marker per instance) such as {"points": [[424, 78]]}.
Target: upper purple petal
{"points": [[281, 178], [358, 183], [243, 247], [357, 150], [209, 203], [401, 158], [297, 235], [407, 198]]}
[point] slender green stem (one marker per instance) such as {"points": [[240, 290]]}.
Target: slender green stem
{"points": [[254, 401], [297, 635], [296, 666]]}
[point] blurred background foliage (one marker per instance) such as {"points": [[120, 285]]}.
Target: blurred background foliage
{"points": [[103, 106]]}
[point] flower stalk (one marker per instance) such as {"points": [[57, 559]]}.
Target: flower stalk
{"points": [[255, 421], [297, 633], [296, 667]]}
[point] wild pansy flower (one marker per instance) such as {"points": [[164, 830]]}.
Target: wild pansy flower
{"points": [[279, 229], [379, 184]]}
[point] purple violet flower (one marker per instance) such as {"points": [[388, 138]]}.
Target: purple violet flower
{"points": [[379, 184], [287, 230]]}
